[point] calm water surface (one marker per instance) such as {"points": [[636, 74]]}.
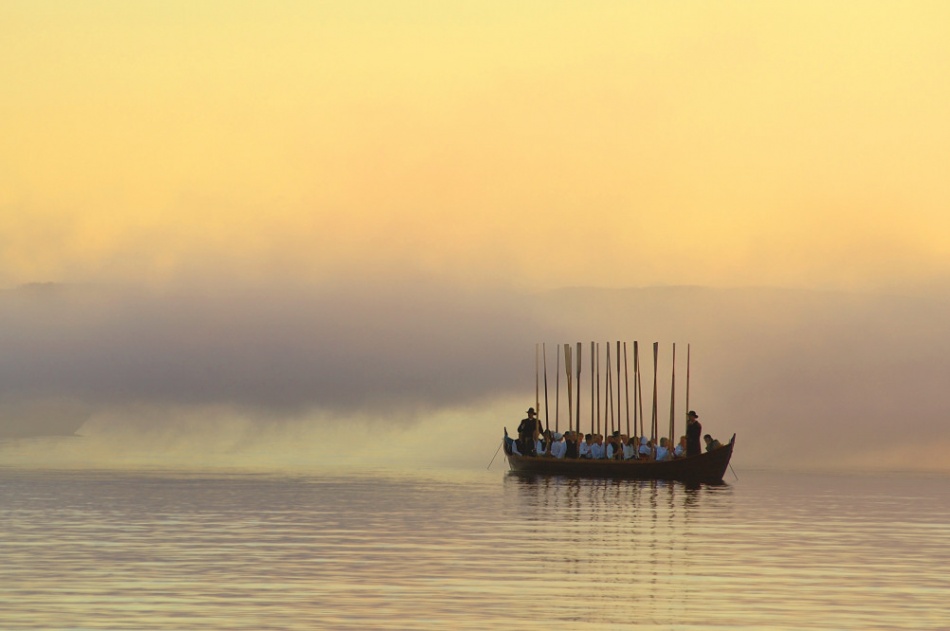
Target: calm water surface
{"points": [[470, 550]]}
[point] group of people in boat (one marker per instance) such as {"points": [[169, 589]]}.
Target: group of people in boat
{"points": [[532, 441]]}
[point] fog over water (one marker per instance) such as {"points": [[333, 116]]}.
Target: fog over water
{"points": [[232, 374]]}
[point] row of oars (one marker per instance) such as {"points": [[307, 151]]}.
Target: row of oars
{"points": [[611, 389]]}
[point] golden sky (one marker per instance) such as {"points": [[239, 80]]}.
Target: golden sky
{"points": [[534, 143]]}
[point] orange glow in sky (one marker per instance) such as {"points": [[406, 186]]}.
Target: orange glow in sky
{"points": [[536, 143]]}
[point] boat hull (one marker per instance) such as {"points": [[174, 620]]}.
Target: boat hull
{"points": [[706, 467]]}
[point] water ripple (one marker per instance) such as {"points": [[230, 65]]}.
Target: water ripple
{"points": [[108, 550]]}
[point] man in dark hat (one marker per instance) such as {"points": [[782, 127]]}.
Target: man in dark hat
{"points": [[528, 432], [693, 431]]}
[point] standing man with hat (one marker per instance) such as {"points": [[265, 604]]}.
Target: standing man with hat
{"points": [[693, 431], [528, 432]]}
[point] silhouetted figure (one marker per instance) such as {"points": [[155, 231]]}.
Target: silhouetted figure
{"points": [[528, 431], [693, 431], [711, 443]]}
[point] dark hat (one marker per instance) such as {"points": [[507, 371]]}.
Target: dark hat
{"points": [[693, 414], [530, 410]]}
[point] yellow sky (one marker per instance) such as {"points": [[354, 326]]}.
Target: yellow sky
{"points": [[538, 143]]}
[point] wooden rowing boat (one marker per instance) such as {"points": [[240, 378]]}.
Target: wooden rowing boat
{"points": [[709, 466]]}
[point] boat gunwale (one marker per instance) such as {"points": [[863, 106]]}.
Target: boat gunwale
{"points": [[707, 466]]}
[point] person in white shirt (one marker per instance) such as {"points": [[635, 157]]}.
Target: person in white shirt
{"points": [[663, 451], [680, 449], [630, 449], [583, 451], [597, 450], [558, 446], [615, 446], [646, 448], [543, 444]]}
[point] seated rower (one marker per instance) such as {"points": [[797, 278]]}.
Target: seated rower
{"points": [[597, 450], [614, 446], [646, 448], [570, 444], [543, 444], [680, 450], [558, 447], [663, 451], [711, 443], [630, 449], [584, 447]]}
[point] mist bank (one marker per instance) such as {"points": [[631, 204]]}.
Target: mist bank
{"points": [[805, 378], [391, 349]]}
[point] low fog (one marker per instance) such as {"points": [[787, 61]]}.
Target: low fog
{"points": [[231, 375]]}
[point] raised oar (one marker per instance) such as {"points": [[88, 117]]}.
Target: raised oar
{"points": [[579, 347], [618, 385], [593, 392], [687, 380], [609, 395], [637, 388], [557, 386], [626, 389], [673, 395], [544, 355], [537, 395], [655, 428], [598, 387], [567, 368]]}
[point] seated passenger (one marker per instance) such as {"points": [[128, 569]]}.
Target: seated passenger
{"points": [[570, 445], [614, 446], [680, 449], [597, 450], [646, 448], [630, 449], [711, 443], [584, 448], [543, 445], [663, 451], [558, 446]]}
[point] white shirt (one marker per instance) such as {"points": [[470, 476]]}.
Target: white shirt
{"points": [[679, 451], [610, 451], [662, 453], [596, 451], [558, 449], [583, 449], [629, 453]]}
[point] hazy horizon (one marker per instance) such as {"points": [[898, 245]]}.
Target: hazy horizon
{"points": [[234, 375]]}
